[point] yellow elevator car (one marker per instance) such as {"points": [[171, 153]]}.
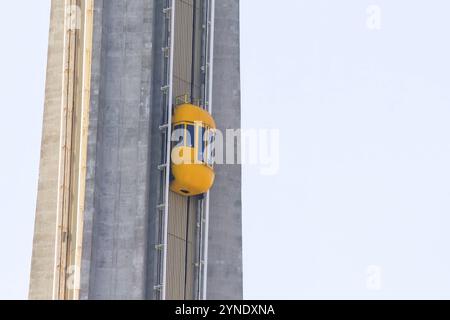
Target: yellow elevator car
{"points": [[192, 158]]}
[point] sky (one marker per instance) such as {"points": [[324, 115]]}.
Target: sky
{"points": [[360, 207], [24, 29], [359, 93]]}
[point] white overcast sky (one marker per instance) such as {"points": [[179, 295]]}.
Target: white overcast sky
{"points": [[364, 174]]}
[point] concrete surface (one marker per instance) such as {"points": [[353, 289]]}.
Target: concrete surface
{"points": [[42, 264], [115, 242], [124, 150], [225, 229]]}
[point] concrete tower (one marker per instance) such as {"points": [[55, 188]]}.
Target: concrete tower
{"points": [[107, 226]]}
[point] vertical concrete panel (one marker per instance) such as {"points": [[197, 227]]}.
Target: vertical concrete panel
{"points": [[177, 218], [42, 265], [175, 268], [191, 269], [183, 45], [91, 201], [176, 246], [197, 50], [225, 229], [116, 230]]}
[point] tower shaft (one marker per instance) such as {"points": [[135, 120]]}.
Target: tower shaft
{"points": [[99, 220]]}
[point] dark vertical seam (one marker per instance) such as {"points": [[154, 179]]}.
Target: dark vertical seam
{"points": [[187, 247], [194, 25]]}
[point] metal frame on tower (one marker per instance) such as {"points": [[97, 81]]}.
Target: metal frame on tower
{"points": [[207, 68], [166, 130]]}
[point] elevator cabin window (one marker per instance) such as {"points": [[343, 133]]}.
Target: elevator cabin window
{"points": [[201, 144], [190, 138], [184, 135], [178, 136], [211, 151]]}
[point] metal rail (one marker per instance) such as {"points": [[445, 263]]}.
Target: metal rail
{"points": [[209, 105], [166, 129], [207, 68]]}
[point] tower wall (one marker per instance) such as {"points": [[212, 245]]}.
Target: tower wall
{"points": [[116, 234], [43, 257], [225, 222], [118, 257]]}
